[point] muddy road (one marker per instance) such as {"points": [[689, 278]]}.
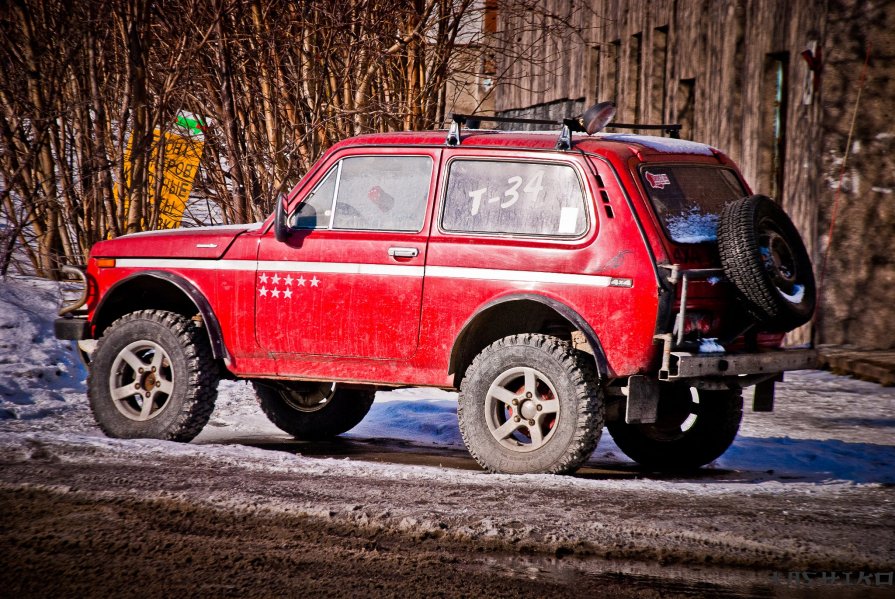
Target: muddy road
{"points": [[87, 516]]}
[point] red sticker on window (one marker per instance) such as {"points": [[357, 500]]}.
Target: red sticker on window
{"points": [[657, 181]]}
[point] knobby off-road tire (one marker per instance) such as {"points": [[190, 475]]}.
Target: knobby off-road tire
{"points": [[312, 411], [688, 434], [161, 354], [530, 404], [763, 256]]}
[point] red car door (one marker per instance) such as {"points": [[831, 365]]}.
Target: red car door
{"points": [[349, 280]]}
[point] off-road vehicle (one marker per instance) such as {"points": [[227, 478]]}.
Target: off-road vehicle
{"points": [[560, 283]]}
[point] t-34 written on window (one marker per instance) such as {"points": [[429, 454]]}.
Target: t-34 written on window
{"points": [[526, 198]]}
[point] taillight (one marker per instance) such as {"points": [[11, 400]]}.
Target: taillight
{"points": [[699, 324]]}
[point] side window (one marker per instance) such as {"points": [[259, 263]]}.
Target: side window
{"points": [[386, 193], [316, 211], [514, 197], [372, 193]]}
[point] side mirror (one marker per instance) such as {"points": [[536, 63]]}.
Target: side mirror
{"points": [[280, 228]]}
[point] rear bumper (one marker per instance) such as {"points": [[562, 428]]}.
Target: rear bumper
{"points": [[684, 365], [71, 328]]}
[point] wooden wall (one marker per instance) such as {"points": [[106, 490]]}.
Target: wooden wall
{"points": [[858, 305], [704, 63], [713, 65], [544, 60]]}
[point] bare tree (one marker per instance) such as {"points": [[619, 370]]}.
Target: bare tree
{"points": [[89, 92]]}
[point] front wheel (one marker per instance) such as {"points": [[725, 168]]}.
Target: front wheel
{"points": [[312, 411], [693, 428], [529, 404], [152, 376]]}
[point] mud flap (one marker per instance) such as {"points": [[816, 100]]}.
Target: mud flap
{"points": [[763, 401], [643, 400]]}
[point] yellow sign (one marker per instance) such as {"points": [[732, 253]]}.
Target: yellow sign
{"points": [[180, 162]]}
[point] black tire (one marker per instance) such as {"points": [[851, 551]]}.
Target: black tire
{"points": [[312, 411], [763, 256], [559, 421], [677, 441], [165, 353]]}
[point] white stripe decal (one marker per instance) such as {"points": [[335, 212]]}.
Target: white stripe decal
{"points": [[395, 270], [185, 263], [347, 268], [525, 276], [443, 272]]}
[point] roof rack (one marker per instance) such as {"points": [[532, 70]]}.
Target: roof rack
{"points": [[569, 125]]}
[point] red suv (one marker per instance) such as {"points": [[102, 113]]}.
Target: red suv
{"points": [[559, 285]]}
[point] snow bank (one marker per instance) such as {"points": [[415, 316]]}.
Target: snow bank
{"points": [[38, 373], [427, 416]]}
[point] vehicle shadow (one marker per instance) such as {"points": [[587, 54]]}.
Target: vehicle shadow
{"points": [[424, 433], [383, 450], [749, 461]]}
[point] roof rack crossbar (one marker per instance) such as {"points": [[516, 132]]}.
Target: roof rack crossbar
{"points": [[462, 118], [568, 125], [673, 129]]}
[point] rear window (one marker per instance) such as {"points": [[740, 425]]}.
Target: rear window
{"points": [[689, 199], [521, 198]]}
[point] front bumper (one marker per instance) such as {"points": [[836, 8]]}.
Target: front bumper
{"points": [[71, 328], [685, 365]]}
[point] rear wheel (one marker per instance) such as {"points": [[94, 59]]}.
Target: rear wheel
{"points": [[693, 428], [312, 410], [530, 403]]}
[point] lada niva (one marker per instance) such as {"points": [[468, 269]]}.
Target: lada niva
{"points": [[559, 284]]}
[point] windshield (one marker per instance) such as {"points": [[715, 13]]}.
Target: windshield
{"points": [[688, 199]]}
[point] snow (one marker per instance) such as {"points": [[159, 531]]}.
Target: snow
{"points": [[660, 144], [836, 444], [827, 431], [692, 226], [427, 416], [798, 294], [710, 345], [39, 376]]}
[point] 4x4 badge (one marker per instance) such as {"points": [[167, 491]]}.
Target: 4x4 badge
{"points": [[657, 181]]}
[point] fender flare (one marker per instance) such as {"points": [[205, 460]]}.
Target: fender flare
{"points": [[213, 326], [602, 364]]}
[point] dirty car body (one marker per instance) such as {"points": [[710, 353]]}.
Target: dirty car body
{"points": [[558, 290]]}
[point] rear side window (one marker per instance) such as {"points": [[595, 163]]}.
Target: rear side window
{"points": [[369, 193], [689, 199], [524, 198]]}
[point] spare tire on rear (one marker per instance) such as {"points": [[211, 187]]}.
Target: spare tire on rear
{"points": [[764, 257]]}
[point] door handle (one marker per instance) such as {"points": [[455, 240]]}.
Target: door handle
{"points": [[403, 252]]}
